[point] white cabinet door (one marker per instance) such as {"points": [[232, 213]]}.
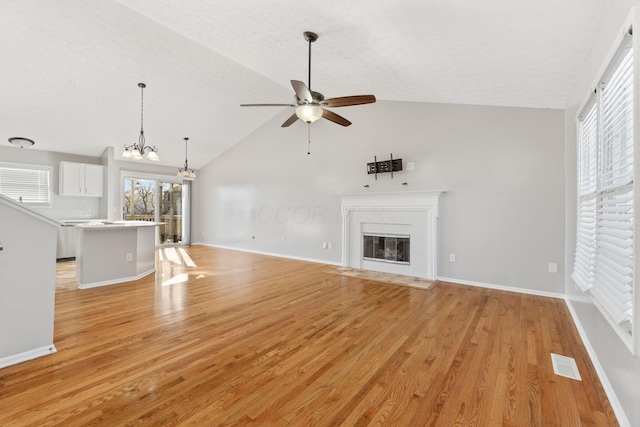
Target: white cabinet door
{"points": [[71, 179], [79, 179], [93, 180]]}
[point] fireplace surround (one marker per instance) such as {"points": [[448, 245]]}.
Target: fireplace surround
{"points": [[410, 215]]}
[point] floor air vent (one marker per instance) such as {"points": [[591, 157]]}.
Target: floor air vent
{"points": [[565, 366]]}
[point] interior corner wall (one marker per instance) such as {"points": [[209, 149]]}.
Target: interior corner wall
{"points": [[502, 169], [621, 368]]}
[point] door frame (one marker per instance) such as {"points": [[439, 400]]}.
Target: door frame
{"points": [[158, 178]]}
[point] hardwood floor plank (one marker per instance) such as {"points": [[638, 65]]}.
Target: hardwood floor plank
{"points": [[220, 337]]}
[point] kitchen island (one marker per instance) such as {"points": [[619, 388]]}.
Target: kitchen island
{"points": [[114, 252]]}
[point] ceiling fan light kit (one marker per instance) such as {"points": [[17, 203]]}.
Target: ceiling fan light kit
{"points": [[139, 150], [311, 105], [309, 113]]}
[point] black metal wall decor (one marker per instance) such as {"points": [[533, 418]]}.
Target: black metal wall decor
{"points": [[392, 165]]}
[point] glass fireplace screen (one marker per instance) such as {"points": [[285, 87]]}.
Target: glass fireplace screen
{"points": [[386, 248]]}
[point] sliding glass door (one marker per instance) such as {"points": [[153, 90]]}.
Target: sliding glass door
{"points": [[157, 200], [170, 213]]}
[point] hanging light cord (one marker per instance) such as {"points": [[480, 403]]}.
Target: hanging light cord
{"points": [[186, 161], [141, 139]]}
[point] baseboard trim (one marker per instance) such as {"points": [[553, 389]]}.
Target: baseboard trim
{"points": [[115, 281], [502, 288], [27, 355], [317, 261], [604, 380]]}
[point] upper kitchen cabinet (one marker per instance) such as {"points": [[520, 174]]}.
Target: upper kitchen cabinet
{"points": [[79, 179]]}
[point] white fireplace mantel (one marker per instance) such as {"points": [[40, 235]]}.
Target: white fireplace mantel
{"points": [[413, 212], [405, 199]]}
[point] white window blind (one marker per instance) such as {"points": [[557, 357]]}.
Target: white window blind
{"points": [[605, 258], [585, 258], [613, 288], [25, 183]]}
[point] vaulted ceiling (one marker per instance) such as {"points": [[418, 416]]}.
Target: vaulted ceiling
{"points": [[70, 68]]}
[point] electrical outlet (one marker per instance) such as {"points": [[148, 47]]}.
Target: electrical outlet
{"points": [[128, 256], [553, 267], [452, 257], [330, 245]]}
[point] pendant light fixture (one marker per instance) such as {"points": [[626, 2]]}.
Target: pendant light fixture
{"points": [[137, 151], [186, 172]]}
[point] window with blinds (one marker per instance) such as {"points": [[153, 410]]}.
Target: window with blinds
{"points": [[605, 257], [26, 183], [584, 262]]}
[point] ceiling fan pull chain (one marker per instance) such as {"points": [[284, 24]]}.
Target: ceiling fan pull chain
{"points": [[308, 138]]}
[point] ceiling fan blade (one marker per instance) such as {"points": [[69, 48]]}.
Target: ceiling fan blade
{"points": [[267, 105], [330, 115], [345, 101], [291, 120], [302, 91]]}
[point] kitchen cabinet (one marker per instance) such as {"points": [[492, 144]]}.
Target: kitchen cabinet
{"points": [[79, 179]]}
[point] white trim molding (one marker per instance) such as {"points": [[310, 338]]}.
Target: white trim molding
{"points": [[26, 355], [602, 375]]}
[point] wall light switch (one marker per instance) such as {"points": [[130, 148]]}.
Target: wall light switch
{"points": [[553, 267], [410, 166]]}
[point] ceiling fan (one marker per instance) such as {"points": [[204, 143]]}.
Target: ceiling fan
{"points": [[311, 105]]}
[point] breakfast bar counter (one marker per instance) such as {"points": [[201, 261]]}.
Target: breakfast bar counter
{"points": [[114, 252]]}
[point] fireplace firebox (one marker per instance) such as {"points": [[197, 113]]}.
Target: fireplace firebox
{"points": [[386, 248]]}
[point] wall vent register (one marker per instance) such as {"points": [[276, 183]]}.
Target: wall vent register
{"points": [[386, 248]]}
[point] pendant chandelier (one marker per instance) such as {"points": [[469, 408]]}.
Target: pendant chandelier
{"points": [[138, 150], [186, 172]]}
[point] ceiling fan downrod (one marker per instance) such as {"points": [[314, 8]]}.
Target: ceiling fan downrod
{"points": [[310, 37]]}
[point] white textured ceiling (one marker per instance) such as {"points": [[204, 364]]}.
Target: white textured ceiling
{"points": [[70, 68]]}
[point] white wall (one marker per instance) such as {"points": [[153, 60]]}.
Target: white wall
{"points": [[27, 284], [622, 370], [502, 215]]}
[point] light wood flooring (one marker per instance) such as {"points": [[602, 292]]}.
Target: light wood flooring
{"points": [[219, 337]]}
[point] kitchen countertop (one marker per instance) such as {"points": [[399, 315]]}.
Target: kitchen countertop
{"points": [[97, 225], [73, 221]]}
